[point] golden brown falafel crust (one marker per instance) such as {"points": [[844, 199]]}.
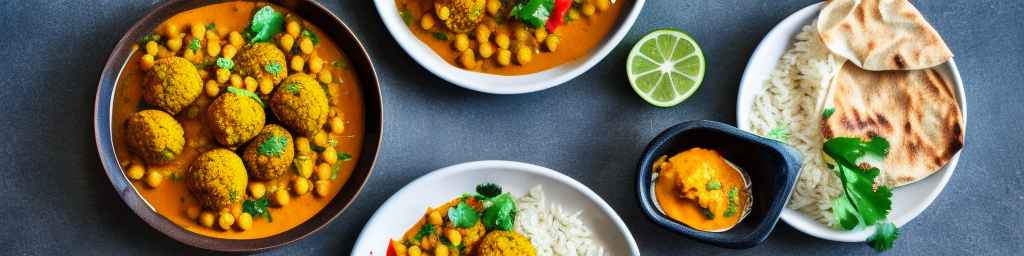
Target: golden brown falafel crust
{"points": [[155, 136], [498, 243], [172, 84], [300, 104], [253, 60], [235, 119], [217, 178], [464, 14], [269, 166]]}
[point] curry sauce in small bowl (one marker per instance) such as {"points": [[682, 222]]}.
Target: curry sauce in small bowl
{"points": [[715, 183]]}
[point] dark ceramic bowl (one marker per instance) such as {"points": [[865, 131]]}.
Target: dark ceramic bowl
{"points": [[312, 12], [771, 166]]}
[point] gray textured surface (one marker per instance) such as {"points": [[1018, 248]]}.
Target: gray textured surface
{"points": [[55, 198]]}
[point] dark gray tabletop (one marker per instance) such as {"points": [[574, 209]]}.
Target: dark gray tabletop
{"points": [[56, 199]]}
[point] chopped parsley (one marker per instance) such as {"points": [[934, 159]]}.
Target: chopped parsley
{"points": [[462, 215], [335, 168], [273, 146], [211, 26], [292, 88], [266, 23], [780, 132], [828, 113], [426, 230], [257, 208], [149, 38], [225, 63], [312, 36], [194, 44], [406, 17], [273, 68], [440, 36], [713, 185], [733, 203], [343, 156], [243, 92]]}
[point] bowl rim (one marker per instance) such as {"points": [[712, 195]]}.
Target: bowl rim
{"points": [[750, 81], [373, 131], [738, 241], [500, 84]]}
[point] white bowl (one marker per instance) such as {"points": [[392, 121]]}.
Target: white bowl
{"points": [[907, 201], [500, 84], [404, 208]]}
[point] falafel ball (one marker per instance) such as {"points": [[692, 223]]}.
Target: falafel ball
{"points": [[300, 104], [172, 84], [270, 154], [463, 15], [235, 117], [262, 59], [217, 179], [155, 136], [497, 243]]}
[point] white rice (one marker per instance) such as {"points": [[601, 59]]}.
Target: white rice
{"points": [[552, 230], [791, 98]]}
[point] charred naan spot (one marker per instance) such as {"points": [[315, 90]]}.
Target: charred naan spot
{"points": [[871, 46], [872, 134], [859, 15], [898, 61], [884, 122], [826, 130], [847, 27], [906, 128], [956, 131]]}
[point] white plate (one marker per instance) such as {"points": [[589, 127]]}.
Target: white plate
{"points": [[404, 208], [499, 84], [908, 201]]}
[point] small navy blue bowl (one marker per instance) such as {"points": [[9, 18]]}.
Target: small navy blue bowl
{"points": [[772, 167]]}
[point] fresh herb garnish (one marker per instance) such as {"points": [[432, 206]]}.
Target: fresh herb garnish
{"points": [[707, 213], [340, 64], [149, 38], [713, 185], [426, 230], [488, 190], [292, 88], [780, 132], [885, 234], [273, 146], [462, 215], [194, 44], [225, 63], [344, 156], [533, 12], [211, 26], [335, 168], [733, 205], [440, 36], [317, 148], [257, 208], [828, 113], [312, 36], [266, 23], [406, 17], [242, 92], [502, 212], [273, 68], [862, 201]]}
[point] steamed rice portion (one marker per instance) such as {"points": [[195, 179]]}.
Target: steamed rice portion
{"points": [[552, 230], [790, 109]]}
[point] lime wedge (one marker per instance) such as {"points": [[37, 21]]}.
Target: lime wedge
{"points": [[665, 67]]}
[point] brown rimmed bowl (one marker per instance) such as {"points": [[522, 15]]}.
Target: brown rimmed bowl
{"points": [[312, 12]]}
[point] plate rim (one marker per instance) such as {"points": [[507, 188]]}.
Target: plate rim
{"points": [[796, 219], [471, 166], [499, 84]]}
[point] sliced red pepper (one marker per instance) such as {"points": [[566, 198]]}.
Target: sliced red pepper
{"points": [[558, 14]]}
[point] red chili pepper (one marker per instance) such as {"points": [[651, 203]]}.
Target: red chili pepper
{"points": [[558, 14]]}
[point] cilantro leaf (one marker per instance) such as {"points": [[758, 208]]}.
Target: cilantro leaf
{"points": [[211, 26], [344, 156], [533, 12], [828, 113], [885, 234], [871, 202], [440, 36], [406, 17], [780, 132], [266, 23], [844, 212], [707, 213], [312, 36], [426, 230], [733, 204], [225, 63], [273, 68], [273, 146], [502, 213], [713, 185], [462, 215], [488, 190], [242, 92], [292, 88], [257, 208], [148, 38], [194, 44]]}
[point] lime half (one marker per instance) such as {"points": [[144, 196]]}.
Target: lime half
{"points": [[665, 67]]}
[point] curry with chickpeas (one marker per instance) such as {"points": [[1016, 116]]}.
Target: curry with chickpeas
{"points": [[237, 120], [510, 37]]}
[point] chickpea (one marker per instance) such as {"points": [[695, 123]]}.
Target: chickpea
{"points": [[427, 22], [223, 75], [435, 218], [152, 47], [602, 5], [305, 168], [293, 28], [504, 57], [524, 55], [329, 156], [206, 219], [400, 249], [192, 212], [211, 35], [306, 45], [552, 43], [521, 34], [257, 189], [236, 39], [468, 59], [236, 209], [212, 88], [174, 44], [320, 139], [286, 42], [225, 221], [281, 198], [337, 125], [443, 13], [300, 186], [171, 30], [236, 81], [251, 84], [136, 171], [302, 145], [297, 63], [441, 250], [454, 236], [461, 42], [483, 34], [229, 51], [154, 178], [213, 48], [502, 40], [540, 34], [244, 221], [493, 6], [148, 61], [588, 9], [486, 50], [325, 76], [415, 250], [198, 30], [266, 85], [203, 74], [322, 188], [323, 171], [574, 14], [315, 64]]}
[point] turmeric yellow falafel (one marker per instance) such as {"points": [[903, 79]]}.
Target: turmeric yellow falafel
{"points": [[462, 15], [499, 243], [235, 117], [155, 136], [262, 60], [301, 104], [172, 84], [217, 178], [270, 154]]}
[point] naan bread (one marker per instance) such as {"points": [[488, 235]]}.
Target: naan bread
{"points": [[916, 111], [881, 35]]}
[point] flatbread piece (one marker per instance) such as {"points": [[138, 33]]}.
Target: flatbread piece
{"points": [[881, 35]]}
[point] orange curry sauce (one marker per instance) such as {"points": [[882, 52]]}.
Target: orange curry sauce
{"points": [[692, 166]]}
